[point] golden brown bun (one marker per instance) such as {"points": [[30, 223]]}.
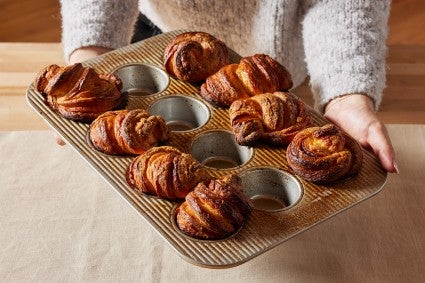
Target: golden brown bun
{"points": [[193, 56], [324, 154], [272, 118], [165, 172], [79, 93], [253, 75], [124, 132], [214, 209]]}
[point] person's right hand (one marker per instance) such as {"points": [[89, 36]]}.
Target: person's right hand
{"points": [[355, 114], [80, 55]]}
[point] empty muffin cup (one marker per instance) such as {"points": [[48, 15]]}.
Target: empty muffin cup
{"points": [[271, 189], [219, 149], [181, 113], [140, 79]]}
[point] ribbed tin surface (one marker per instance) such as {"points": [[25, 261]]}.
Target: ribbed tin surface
{"points": [[263, 230]]}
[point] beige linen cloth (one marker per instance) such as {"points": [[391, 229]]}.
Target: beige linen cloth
{"points": [[61, 222]]}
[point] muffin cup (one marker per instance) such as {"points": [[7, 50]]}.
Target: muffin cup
{"points": [[270, 189], [181, 113], [140, 79], [218, 149]]}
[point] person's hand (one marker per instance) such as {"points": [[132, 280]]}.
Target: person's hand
{"points": [[355, 114], [85, 53], [80, 55]]}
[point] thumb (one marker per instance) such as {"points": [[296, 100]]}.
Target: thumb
{"points": [[378, 140]]}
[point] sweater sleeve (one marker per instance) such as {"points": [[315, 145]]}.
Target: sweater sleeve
{"points": [[103, 23], [345, 47]]}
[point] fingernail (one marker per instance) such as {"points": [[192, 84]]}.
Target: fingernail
{"points": [[396, 167]]}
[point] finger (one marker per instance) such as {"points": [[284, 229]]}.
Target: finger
{"points": [[59, 141], [380, 143]]}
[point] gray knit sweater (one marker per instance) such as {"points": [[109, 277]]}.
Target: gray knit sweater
{"points": [[340, 44]]}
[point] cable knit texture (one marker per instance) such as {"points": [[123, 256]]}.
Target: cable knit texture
{"points": [[340, 44], [97, 23]]}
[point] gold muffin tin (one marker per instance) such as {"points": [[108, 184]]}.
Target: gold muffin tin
{"points": [[204, 131]]}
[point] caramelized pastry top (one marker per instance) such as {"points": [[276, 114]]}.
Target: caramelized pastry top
{"points": [[193, 56], [125, 131], [273, 118], [214, 209], [165, 172], [79, 93], [324, 154], [253, 75]]}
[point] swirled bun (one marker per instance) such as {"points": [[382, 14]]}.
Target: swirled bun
{"points": [[253, 75], [214, 209], [324, 154], [273, 118], [123, 132], [165, 172], [193, 56], [79, 93]]}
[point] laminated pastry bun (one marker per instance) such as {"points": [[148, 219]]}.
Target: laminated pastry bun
{"points": [[193, 56], [324, 154], [124, 132], [214, 209], [79, 93], [165, 172], [273, 118], [253, 75]]}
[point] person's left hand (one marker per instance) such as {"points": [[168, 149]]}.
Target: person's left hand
{"points": [[355, 114]]}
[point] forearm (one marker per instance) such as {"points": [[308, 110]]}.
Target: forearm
{"points": [[108, 24], [345, 49]]}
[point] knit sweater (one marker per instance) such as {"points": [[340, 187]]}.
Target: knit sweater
{"points": [[340, 44]]}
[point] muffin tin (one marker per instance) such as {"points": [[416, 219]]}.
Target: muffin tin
{"points": [[284, 204]]}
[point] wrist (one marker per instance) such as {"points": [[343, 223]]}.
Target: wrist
{"points": [[350, 101]]}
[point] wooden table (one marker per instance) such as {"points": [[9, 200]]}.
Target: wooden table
{"points": [[379, 240], [19, 64]]}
